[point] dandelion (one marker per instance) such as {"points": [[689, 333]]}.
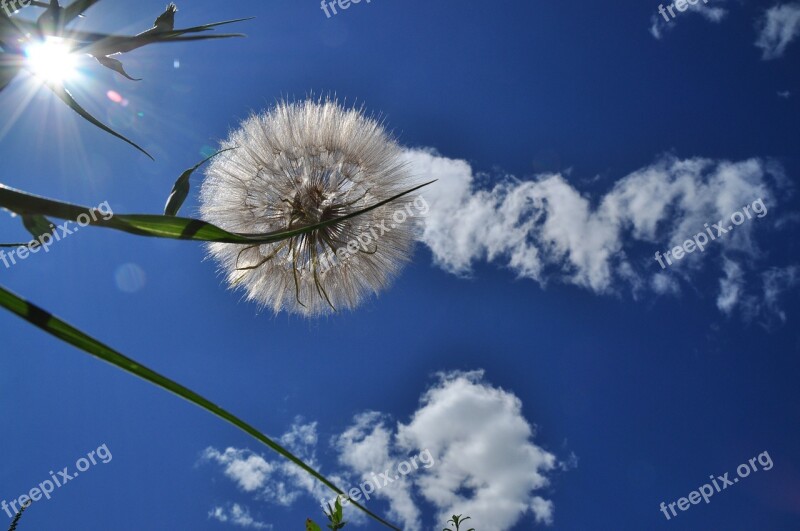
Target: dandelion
{"points": [[301, 164]]}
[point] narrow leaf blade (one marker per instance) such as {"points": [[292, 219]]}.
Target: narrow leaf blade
{"points": [[37, 225], [76, 8], [66, 97], [71, 335], [180, 191], [171, 227]]}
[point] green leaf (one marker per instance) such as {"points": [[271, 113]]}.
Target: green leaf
{"points": [[66, 97], [338, 515], [67, 333], [182, 186], [99, 45], [16, 519], [165, 226], [76, 9], [116, 66], [105, 44], [37, 225], [311, 526], [51, 22]]}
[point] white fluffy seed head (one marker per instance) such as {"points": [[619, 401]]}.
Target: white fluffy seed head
{"points": [[304, 163]]}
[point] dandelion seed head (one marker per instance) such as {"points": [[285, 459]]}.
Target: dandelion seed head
{"points": [[300, 164]]}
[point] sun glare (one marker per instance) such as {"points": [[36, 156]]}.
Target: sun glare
{"points": [[51, 59]]}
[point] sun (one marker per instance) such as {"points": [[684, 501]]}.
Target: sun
{"points": [[51, 59]]}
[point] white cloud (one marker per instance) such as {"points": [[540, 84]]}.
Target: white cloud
{"points": [[543, 510], [776, 282], [481, 460], [237, 515], [301, 438], [762, 301], [249, 471], [730, 287], [779, 26], [367, 448], [280, 481], [487, 465], [664, 284], [660, 22], [545, 229]]}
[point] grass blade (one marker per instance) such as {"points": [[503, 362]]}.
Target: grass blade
{"points": [[71, 335], [66, 97], [164, 226], [76, 9]]}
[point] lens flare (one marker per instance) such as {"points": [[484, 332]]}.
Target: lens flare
{"points": [[51, 59]]}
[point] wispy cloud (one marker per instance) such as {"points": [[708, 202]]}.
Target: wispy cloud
{"points": [[278, 482], [367, 447], [545, 229], [763, 302], [713, 13], [779, 26], [730, 287], [247, 470], [237, 515]]}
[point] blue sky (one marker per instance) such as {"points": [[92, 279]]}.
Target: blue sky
{"points": [[560, 377]]}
